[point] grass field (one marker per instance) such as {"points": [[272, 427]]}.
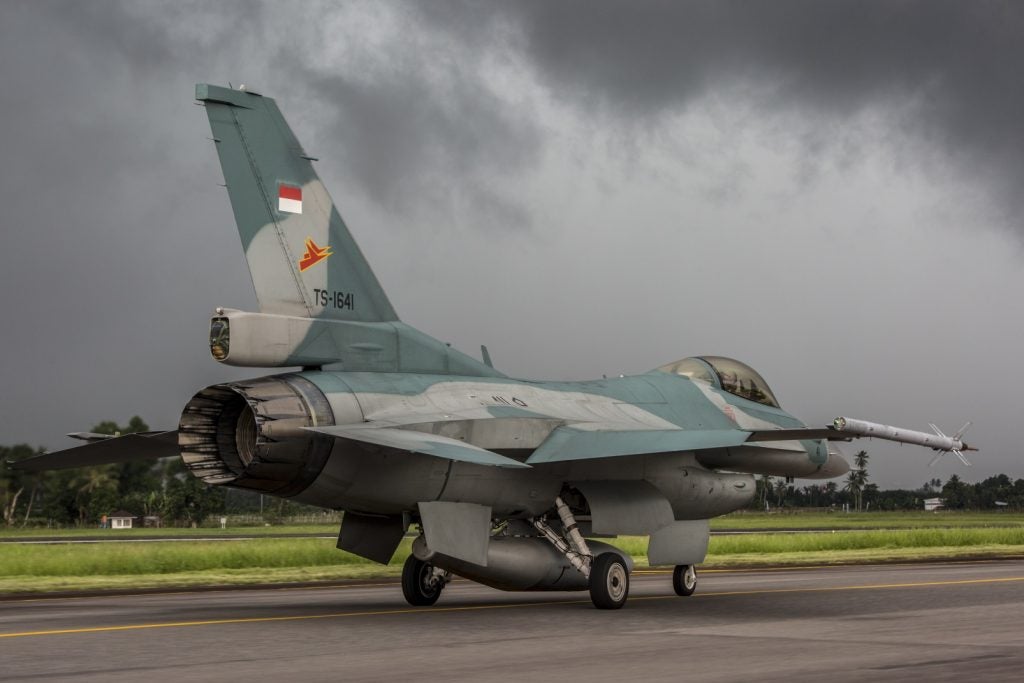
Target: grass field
{"points": [[271, 560], [751, 521], [867, 520], [324, 529]]}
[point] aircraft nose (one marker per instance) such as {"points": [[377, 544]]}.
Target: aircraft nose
{"points": [[835, 466]]}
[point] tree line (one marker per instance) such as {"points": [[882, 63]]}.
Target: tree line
{"points": [[856, 492]]}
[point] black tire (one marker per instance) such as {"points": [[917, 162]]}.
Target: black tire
{"points": [[416, 585], [609, 581], [684, 579]]}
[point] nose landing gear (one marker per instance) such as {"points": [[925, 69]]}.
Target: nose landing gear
{"points": [[684, 579], [422, 582]]}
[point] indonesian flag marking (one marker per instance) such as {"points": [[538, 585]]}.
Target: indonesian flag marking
{"points": [[289, 199]]}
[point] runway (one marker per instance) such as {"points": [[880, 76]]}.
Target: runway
{"points": [[908, 622]]}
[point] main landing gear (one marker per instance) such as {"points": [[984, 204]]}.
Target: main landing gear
{"points": [[684, 579], [607, 574], [422, 582], [609, 581]]}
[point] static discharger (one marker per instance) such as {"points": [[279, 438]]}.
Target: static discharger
{"points": [[937, 441]]}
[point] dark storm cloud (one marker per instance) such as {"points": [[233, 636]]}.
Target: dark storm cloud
{"points": [[408, 146], [956, 64], [409, 134], [414, 123]]}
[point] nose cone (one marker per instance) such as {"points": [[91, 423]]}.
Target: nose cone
{"points": [[835, 466]]}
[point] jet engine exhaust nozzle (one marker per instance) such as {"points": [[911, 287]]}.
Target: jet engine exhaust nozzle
{"points": [[251, 434]]}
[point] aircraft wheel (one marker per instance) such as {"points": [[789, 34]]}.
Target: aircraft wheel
{"points": [[609, 581], [419, 585], [684, 579]]}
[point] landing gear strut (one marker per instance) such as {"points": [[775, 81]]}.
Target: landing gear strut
{"points": [[422, 582], [608, 573], [684, 579]]}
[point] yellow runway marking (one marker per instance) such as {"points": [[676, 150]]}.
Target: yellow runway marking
{"points": [[476, 608], [387, 581], [819, 567], [157, 593]]}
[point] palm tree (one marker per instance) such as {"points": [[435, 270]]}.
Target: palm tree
{"points": [[853, 486], [857, 479], [861, 462]]}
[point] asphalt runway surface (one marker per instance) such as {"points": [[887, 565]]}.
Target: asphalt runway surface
{"points": [[886, 622]]}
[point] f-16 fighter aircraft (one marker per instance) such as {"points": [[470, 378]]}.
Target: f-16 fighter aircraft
{"points": [[507, 482]]}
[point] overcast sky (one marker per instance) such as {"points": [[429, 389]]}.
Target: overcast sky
{"points": [[829, 191]]}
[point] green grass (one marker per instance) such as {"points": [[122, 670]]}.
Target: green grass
{"points": [[325, 529], [189, 563], [769, 547], [861, 540], [752, 521], [164, 558], [881, 520]]}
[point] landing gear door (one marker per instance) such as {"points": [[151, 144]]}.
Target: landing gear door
{"points": [[459, 530], [679, 543], [625, 507]]}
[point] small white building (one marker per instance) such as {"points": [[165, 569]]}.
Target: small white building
{"points": [[932, 504], [121, 520]]}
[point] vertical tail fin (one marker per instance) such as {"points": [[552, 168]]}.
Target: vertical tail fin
{"points": [[302, 258]]}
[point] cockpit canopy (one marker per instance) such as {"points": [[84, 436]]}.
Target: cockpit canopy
{"points": [[727, 374]]}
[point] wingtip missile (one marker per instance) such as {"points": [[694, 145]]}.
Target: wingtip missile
{"points": [[936, 441]]}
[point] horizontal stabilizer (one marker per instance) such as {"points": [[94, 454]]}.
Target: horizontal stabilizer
{"points": [[127, 448], [419, 442], [93, 436], [570, 443]]}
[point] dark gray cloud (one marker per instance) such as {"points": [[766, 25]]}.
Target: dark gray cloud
{"points": [[951, 68], [407, 145], [445, 128]]}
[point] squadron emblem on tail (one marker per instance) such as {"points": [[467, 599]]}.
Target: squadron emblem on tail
{"points": [[313, 255]]}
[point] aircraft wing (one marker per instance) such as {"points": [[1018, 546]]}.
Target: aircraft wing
{"points": [[799, 434], [576, 443], [558, 441], [582, 441], [419, 442], [104, 451]]}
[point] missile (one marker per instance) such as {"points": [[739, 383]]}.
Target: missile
{"points": [[937, 441]]}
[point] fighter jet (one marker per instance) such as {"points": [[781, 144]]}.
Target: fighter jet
{"points": [[504, 481]]}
